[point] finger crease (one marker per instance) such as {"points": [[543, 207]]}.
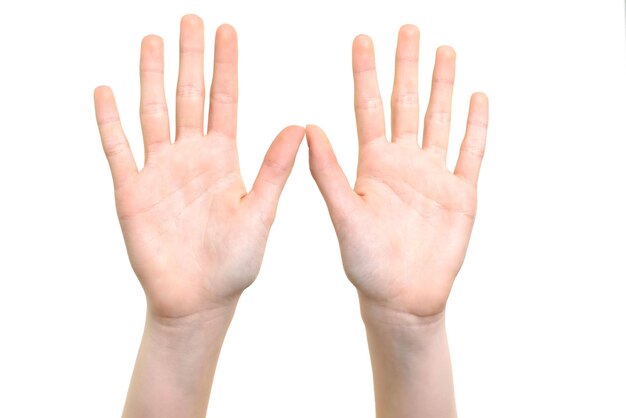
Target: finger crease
{"points": [[406, 99], [224, 98], [473, 150], [155, 108], [442, 117], [108, 120], [189, 90], [369, 103], [364, 70], [443, 80], [478, 123]]}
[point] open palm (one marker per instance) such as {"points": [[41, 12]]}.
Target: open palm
{"points": [[405, 227], [194, 236]]}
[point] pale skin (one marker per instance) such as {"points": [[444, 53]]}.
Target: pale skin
{"points": [[196, 237], [404, 228]]}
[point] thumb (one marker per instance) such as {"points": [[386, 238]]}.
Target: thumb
{"points": [[330, 178], [275, 171]]}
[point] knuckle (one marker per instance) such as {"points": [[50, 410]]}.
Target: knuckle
{"points": [[187, 50], [439, 116], [477, 123], [226, 98], [276, 167], [155, 108], [473, 149], [445, 81], [368, 103], [113, 149], [107, 120], [190, 90], [405, 100], [364, 71], [407, 60], [149, 68]]}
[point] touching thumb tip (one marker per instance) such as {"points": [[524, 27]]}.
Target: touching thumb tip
{"points": [[314, 132], [312, 127]]}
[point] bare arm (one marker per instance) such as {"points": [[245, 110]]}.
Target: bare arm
{"points": [[175, 365], [405, 227]]}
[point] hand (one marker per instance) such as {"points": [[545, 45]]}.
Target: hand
{"points": [[194, 237], [404, 229]]}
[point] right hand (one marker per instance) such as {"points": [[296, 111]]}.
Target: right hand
{"points": [[195, 237]]}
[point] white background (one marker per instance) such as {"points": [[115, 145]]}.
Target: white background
{"points": [[536, 319]]}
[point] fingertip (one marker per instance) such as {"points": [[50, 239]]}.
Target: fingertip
{"points": [[152, 42], [102, 92], [408, 31], [314, 133], [408, 44], [327, 173], [362, 43], [293, 131], [191, 21], [307, 133], [362, 54], [151, 54], [225, 44], [321, 152], [191, 34], [311, 128], [298, 130], [275, 170], [226, 32], [480, 98], [446, 52]]}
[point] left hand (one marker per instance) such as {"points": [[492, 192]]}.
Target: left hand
{"points": [[404, 229]]}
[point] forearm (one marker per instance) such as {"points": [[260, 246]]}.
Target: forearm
{"points": [[176, 364], [410, 363]]}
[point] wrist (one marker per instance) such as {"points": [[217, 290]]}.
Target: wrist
{"points": [[198, 323], [400, 325], [176, 363], [189, 319], [410, 362]]}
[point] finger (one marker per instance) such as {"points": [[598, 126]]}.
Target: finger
{"points": [[330, 178], [114, 141], [223, 97], [404, 98], [275, 170], [437, 119], [190, 89], [155, 123], [370, 119], [473, 145]]}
